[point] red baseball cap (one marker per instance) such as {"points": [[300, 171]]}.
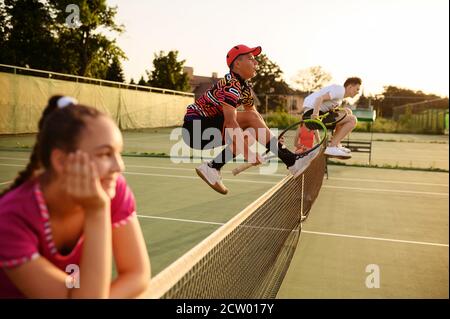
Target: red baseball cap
{"points": [[239, 50]]}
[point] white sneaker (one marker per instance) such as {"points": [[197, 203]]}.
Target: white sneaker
{"points": [[346, 150], [212, 177], [334, 151], [302, 163]]}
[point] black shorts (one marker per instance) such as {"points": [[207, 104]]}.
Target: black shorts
{"points": [[204, 134], [330, 118]]}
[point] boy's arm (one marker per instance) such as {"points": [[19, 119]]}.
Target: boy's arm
{"points": [[318, 103], [239, 145]]}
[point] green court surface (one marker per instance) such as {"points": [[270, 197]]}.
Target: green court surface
{"points": [[397, 220], [404, 150], [176, 208], [418, 154]]}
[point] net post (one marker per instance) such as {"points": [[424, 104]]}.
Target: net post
{"points": [[302, 216]]}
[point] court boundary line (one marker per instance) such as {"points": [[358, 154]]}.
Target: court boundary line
{"points": [[196, 177], [264, 182], [385, 181], [180, 176], [272, 175], [385, 190], [180, 220], [214, 223], [323, 186], [274, 182], [307, 232], [12, 165], [375, 238]]}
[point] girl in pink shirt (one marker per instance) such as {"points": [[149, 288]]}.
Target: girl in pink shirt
{"points": [[70, 211]]}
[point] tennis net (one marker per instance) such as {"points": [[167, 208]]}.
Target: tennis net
{"points": [[248, 256]]}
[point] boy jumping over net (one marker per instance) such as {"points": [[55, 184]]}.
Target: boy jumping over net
{"points": [[213, 121], [326, 100]]}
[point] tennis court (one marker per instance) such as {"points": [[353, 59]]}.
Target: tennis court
{"points": [[175, 207], [395, 219]]}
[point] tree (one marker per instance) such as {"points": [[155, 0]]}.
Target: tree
{"points": [[312, 79], [168, 72], [142, 81], [27, 34], [394, 97], [363, 101], [36, 33], [4, 30], [268, 73], [115, 71], [268, 84], [87, 52], [132, 81], [395, 101]]}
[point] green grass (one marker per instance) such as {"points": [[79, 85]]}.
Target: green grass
{"points": [[389, 166], [280, 120], [404, 125]]}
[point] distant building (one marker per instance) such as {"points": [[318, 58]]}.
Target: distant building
{"points": [[294, 103], [200, 84]]}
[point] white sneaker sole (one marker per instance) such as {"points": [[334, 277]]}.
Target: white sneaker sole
{"points": [[304, 168], [348, 151], [343, 157], [200, 174]]}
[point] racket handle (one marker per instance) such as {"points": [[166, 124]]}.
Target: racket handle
{"points": [[241, 168]]}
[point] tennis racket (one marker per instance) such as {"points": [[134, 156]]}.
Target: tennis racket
{"points": [[300, 138], [330, 118]]}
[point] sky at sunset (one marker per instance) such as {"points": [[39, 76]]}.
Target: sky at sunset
{"points": [[385, 42]]}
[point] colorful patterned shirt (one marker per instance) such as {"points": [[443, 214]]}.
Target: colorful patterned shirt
{"points": [[232, 90]]}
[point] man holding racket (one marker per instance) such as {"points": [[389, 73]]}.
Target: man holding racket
{"points": [[213, 121], [328, 99]]}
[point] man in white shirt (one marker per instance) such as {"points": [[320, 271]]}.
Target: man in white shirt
{"points": [[325, 100]]}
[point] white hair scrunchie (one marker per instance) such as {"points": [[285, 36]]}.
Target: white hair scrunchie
{"points": [[66, 101]]}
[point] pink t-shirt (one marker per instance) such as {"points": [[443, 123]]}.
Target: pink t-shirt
{"points": [[25, 231]]}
